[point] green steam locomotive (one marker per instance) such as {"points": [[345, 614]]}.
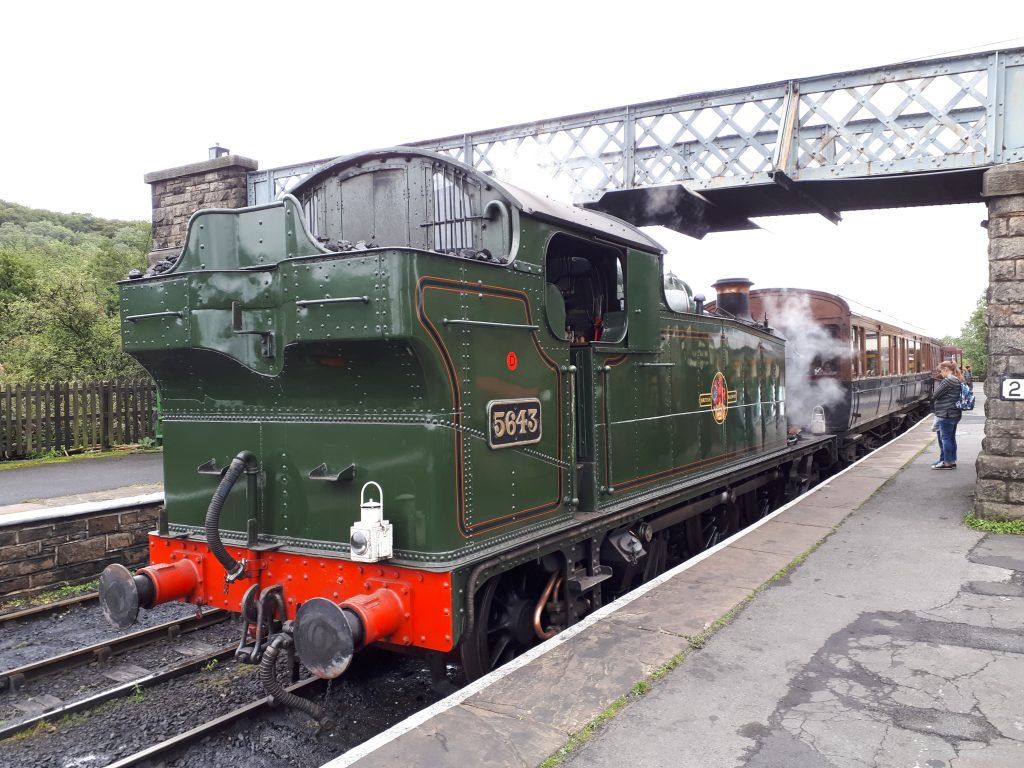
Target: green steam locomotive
{"points": [[410, 405]]}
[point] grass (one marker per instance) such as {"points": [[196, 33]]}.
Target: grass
{"points": [[46, 727], [52, 457], [643, 687], [50, 596], [1013, 527]]}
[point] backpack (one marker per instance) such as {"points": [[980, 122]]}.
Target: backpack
{"points": [[966, 400]]}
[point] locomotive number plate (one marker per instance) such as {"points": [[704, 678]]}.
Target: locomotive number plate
{"points": [[513, 422]]}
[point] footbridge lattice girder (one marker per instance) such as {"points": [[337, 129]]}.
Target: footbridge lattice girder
{"points": [[768, 149]]}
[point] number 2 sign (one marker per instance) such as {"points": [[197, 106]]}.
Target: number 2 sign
{"points": [[1012, 388]]}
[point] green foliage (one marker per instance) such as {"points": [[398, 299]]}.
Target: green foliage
{"points": [[50, 596], [58, 294], [1015, 527], [973, 339], [17, 275], [76, 223], [49, 453]]}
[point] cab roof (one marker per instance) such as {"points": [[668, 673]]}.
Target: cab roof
{"points": [[539, 206]]}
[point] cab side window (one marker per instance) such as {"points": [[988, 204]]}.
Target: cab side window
{"points": [[589, 280]]}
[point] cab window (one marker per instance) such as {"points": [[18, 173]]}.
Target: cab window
{"points": [[588, 278]]}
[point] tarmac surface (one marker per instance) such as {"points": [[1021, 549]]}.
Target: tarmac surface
{"points": [[72, 482], [895, 642]]}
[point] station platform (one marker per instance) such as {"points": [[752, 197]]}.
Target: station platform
{"points": [[861, 625], [45, 488]]}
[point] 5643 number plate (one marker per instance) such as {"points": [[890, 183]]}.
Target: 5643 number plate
{"points": [[513, 422]]}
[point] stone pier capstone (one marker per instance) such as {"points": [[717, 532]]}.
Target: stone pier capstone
{"points": [[179, 192], [999, 493]]}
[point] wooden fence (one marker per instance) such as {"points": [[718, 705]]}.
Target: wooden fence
{"points": [[38, 418]]}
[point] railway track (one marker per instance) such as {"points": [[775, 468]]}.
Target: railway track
{"points": [[18, 676], [189, 721], [126, 689], [176, 744], [38, 611]]}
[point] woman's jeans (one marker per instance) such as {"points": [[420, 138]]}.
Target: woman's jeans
{"points": [[947, 439]]}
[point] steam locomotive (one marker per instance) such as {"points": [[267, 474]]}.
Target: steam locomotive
{"points": [[411, 406]]}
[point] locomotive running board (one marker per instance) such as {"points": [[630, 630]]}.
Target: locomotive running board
{"points": [[665, 497]]}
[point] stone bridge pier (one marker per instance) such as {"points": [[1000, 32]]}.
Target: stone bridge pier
{"points": [[219, 182], [1000, 488]]}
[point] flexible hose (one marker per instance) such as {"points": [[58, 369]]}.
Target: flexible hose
{"points": [[276, 691], [238, 465]]}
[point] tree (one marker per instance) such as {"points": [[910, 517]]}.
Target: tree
{"points": [[64, 334], [973, 339], [17, 276], [59, 303]]}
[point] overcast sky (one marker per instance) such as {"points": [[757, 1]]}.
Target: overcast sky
{"points": [[96, 94]]}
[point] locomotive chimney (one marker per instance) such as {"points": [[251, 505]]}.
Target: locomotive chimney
{"points": [[734, 297]]}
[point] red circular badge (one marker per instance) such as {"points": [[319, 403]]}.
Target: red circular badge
{"points": [[511, 361]]}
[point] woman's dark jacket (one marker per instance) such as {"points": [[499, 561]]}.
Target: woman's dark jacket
{"points": [[946, 393]]}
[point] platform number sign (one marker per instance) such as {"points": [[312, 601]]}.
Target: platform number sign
{"points": [[1012, 387], [513, 422]]}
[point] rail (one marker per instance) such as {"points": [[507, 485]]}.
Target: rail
{"points": [[152, 755], [119, 691], [14, 678]]}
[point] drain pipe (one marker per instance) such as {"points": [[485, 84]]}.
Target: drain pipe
{"points": [[245, 461]]}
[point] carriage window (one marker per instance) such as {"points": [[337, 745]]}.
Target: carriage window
{"points": [[871, 352], [883, 356], [853, 351], [856, 358], [912, 356], [826, 361]]}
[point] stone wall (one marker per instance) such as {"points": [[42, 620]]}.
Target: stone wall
{"points": [[1000, 489], [37, 555], [180, 192]]}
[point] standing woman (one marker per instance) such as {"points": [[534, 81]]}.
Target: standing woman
{"points": [[947, 415]]}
